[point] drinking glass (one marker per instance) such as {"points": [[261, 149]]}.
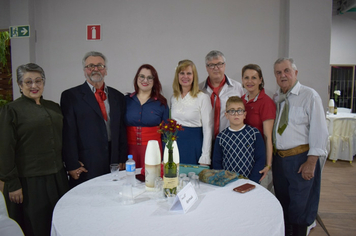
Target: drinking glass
{"points": [[181, 176], [159, 187], [185, 181], [195, 181], [114, 169], [127, 194], [190, 174]]}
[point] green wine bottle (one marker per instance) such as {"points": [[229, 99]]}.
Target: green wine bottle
{"points": [[170, 178]]}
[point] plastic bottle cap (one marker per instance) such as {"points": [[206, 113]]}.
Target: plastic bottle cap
{"points": [[130, 157]]}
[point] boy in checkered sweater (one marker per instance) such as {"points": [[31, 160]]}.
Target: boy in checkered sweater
{"points": [[239, 148]]}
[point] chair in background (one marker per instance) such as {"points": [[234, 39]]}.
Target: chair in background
{"points": [[8, 227], [328, 144], [343, 139]]}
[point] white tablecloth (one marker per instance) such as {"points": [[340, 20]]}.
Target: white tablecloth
{"points": [[331, 117], [9, 227], [342, 136], [94, 208]]}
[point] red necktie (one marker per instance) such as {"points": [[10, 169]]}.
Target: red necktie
{"points": [[101, 97], [217, 104]]}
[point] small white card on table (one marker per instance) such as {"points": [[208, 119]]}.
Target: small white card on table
{"points": [[185, 199]]}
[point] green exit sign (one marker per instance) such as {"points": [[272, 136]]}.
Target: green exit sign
{"points": [[20, 31]]}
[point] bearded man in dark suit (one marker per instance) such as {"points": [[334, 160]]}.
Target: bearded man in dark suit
{"points": [[94, 134]]}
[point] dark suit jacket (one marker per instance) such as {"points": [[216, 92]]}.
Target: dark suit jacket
{"points": [[85, 136]]}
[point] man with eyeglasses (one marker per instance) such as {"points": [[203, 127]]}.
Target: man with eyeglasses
{"points": [[219, 87], [94, 134]]}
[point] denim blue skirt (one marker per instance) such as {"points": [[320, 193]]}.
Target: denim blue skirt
{"points": [[190, 142]]}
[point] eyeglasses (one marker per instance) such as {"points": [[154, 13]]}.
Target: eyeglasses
{"points": [[149, 78], [37, 82], [218, 65], [92, 66], [233, 112]]}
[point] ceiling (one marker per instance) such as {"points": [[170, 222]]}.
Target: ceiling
{"points": [[344, 7]]}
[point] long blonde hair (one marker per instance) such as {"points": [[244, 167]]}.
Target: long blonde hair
{"points": [[177, 88]]}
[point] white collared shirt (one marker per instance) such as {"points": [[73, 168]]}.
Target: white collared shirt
{"points": [[230, 88], [247, 97], [195, 112], [306, 124], [107, 107]]}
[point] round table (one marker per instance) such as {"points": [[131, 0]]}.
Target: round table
{"points": [[331, 117], [94, 208], [9, 227]]}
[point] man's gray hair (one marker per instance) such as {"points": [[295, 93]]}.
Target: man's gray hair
{"points": [[93, 54], [30, 67], [282, 59], [215, 54]]}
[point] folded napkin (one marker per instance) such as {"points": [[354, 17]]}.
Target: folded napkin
{"points": [[218, 177]]}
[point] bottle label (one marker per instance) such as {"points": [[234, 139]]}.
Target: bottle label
{"points": [[130, 167], [170, 182]]}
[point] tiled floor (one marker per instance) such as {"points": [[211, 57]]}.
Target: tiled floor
{"points": [[337, 207]]}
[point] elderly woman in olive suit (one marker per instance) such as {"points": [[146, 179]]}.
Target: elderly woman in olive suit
{"points": [[30, 154]]}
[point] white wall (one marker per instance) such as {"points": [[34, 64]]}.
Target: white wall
{"points": [[163, 32], [22, 49], [309, 43], [4, 14], [160, 33], [343, 39]]}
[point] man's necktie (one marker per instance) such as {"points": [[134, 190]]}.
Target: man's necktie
{"points": [[283, 121], [101, 97], [217, 104]]}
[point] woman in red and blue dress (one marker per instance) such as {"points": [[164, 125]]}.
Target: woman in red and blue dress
{"points": [[260, 108], [146, 108]]}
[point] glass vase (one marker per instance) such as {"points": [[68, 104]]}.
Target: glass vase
{"points": [[170, 177]]}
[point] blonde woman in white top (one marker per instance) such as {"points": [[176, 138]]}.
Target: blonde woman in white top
{"points": [[192, 109]]}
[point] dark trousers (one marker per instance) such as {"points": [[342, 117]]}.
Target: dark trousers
{"points": [[84, 176], [299, 197], [40, 195]]}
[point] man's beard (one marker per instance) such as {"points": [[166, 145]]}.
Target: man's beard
{"points": [[95, 77]]}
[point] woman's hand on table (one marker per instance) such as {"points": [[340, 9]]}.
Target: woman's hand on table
{"points": [[16, 196], [75, 174]]}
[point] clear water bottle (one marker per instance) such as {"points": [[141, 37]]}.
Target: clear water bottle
{"points": [[130, 171]]}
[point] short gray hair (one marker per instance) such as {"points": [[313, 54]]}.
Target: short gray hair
{"points": [[30, 67], [214, 55], [93, 54], [282, 59]]}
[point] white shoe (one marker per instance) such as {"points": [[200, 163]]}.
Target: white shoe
{"points": [[310, 227]]}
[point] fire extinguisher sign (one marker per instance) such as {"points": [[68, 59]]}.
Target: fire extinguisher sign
{"points": [[93, 32]]}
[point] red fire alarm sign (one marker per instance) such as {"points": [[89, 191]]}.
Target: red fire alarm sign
{"points": [[93, 32]]}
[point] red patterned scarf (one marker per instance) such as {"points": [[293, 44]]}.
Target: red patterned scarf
{"points": [[216, 91]]}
